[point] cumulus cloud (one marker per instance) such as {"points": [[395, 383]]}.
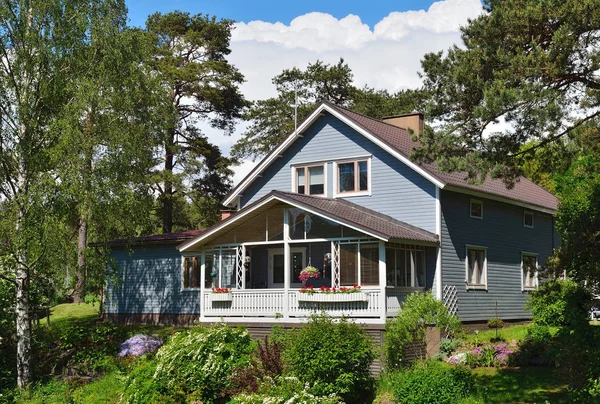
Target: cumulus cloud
{"points": [[386, 57]]}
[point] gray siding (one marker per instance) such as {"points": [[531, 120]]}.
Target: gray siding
{"points": [[149, 281], [396, 189], [502, 232]]}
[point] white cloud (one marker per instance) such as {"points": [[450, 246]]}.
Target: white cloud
{"points": [[387, 57]]}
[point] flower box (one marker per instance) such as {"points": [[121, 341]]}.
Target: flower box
{"points": [[220, 297], [333, 297]]}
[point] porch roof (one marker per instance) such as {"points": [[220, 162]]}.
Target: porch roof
{"points": [[339, 210]]}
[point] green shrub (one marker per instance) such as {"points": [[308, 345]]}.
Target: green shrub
{"points": [[432, 382], [141, 387], [201, 361], [449, 345], [332, 357], [284, 390], [560, 303], [418, 311], [533, 349]]}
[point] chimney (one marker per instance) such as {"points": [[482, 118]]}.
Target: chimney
{"points": [[414, 121], [226, 213]]}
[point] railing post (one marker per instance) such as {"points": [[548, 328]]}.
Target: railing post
{"points": [[286, 263], [202, 281], [382, 279]]}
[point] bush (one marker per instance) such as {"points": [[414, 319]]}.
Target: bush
{"points": [[201, 361], [138, 345], [432, 382], [284, 390], [533, 349], [332, 357], [418, 311], [449, 345], [560, 303], [141, 387], [487, 356]]}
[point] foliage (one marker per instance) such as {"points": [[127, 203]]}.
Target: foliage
{"points": [[495, 355], [332, 357], [142, 387], [495, 322], [326, 290], [284, 390], [531, 64], [449, 345], [202, 360], [138, 345], [418, 311], [560, 303], [432, 382], [533, 349], [308, 273]]}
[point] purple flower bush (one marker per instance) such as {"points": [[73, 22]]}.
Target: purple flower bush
{"points": [[496, 355], [139, 345]]}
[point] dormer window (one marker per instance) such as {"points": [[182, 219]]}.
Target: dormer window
{"points": [[353, 177], [310, 180], [476, 210], [528, 219]]}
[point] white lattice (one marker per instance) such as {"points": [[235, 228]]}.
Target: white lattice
{"points": [[241, 255], [450, 298], [335, 264]]}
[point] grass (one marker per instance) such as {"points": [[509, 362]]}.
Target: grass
{"points": [[514, 332], [68, 312]]}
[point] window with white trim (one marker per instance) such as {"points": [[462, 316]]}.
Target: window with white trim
{"points": [[191, 272], [529, 271], [405, 267], [476, 267], [528, 219], [476, 209], [359, 264], [352, 177], [310, 180]]}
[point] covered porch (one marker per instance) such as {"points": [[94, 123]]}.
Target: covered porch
{"points": [[371, 261]]}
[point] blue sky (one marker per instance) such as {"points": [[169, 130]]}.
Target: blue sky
{"points": [[370, 12]]}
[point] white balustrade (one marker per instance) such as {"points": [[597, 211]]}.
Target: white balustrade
{"points": [[246, 303]]}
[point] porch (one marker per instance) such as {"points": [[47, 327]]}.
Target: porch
{"points": [[258, 254]]}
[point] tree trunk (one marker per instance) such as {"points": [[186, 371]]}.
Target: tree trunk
{"points": [[167, 197], [23, 327], [79, 292]]}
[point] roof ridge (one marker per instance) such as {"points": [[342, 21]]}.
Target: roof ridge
{"points": [[366, 116]]}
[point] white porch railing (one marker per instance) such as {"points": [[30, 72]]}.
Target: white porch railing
{"points": [[247, 303], [371, 307]]}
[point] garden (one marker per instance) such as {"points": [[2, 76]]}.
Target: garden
{"points": [[80, 359]]}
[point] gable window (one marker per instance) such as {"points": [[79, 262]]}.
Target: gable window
{"points": [[528, 219], [353, 177], [405, 266], [529, 271], [310, 180], [191, 272], [476, 267], [476, 209]]}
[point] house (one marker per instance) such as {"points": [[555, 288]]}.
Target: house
{"points": [[340, 194]]}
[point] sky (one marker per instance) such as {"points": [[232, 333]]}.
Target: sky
{"points": [[382, 41]]}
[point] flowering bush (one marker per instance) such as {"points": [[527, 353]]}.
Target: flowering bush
{"points": [[308, 273], [282, 390], [328, 290], [139, 345], [496, 355], [221, 290]]}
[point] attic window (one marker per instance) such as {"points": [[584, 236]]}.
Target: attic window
{"points": [[353, 177], [528, 219], [476, 209], [310, 180]]}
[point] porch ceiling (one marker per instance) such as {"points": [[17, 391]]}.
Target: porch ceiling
{"points": [[346, 213]]}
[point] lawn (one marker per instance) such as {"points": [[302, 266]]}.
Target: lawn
{"points": [[68, 312], [514, 332]]}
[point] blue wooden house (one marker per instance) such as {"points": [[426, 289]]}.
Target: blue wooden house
{"points": [[340, 194]]}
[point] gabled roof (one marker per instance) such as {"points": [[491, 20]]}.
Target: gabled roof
{"points": [[340, 211], [165, 238], [398, 142]]}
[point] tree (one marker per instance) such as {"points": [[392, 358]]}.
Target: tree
{"points": [[532, 64], [273, 119], [40, 47], [190, 58]]}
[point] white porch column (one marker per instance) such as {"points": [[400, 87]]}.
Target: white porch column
{"points": [[202, 280], [286, 263], [382, 279]]}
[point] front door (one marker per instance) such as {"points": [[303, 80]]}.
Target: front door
{"points": [[276, 266]]}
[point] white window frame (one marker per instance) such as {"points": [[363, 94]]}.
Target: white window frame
{"points": [[413, 266], [471, 202], [535, 275], [306, 166], [359, 257], [270, 267], [355, 160], [183, 259], [484, 285], [525, 213]]}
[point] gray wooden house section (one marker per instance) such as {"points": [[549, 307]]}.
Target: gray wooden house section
{"points": [[396, 189], [502, 232], [149, 281]]}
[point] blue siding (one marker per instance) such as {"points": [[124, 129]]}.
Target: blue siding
{"points": [[149, 281], [397, 190], [502, 232]]}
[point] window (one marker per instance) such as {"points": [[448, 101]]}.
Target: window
{"points": [[528, 219], [476, 210], [476, 267], [191, 272], [363, 270], [405, 267], [353, 177], [310, 180], [530, 272]]}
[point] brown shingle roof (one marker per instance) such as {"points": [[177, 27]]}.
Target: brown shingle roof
{"points": [[401, 141], [165, 238]]}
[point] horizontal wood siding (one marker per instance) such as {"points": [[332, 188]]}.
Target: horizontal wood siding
{"points": [[396, 189], [148, 281], [502, 232]]}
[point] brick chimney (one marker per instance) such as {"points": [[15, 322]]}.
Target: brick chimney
{"points": [[226, 213], [414, 121]]}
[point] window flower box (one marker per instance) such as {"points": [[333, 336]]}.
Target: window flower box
{"points": [[333, 297], [221, 295]]}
